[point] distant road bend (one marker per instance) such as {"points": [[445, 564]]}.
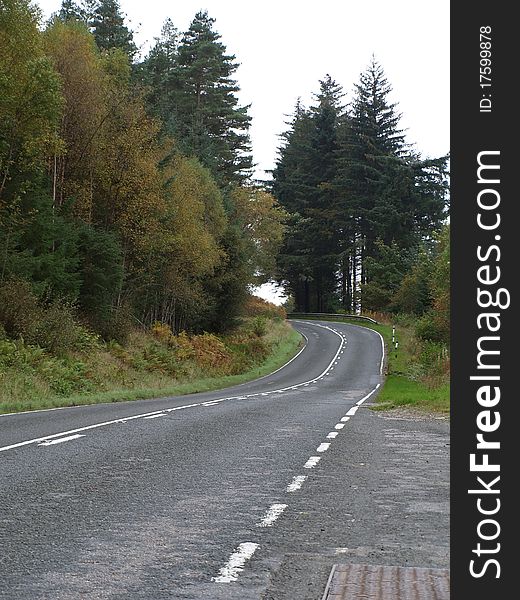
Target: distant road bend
{"points": [[190, 498]]}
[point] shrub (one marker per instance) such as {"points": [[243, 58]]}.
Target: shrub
{"points": [[118, 327], [259, 326], [433, 327], [255, 306], [162, 332], [19, 308], [57, 330]]}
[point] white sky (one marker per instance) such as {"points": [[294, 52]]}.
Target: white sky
{"points": [[285, 47]]}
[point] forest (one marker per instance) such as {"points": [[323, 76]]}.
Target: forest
{"points": [[128, 202], [125, 186]]}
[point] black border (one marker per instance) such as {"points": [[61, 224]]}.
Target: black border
{"points": [[472, 132]]}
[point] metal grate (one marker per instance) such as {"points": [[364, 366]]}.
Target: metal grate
{"points": [[381, 582]]}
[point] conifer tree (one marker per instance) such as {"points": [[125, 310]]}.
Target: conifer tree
{"points": [[70, 11], [110, 31], [302, 183], [205, 117]]}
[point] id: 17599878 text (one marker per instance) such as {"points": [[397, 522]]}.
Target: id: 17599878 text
{"points": [[485, 69]]}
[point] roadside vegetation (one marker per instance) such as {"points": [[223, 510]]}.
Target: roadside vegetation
{"points": [[418, 368], [417, 372], [59, 362]]}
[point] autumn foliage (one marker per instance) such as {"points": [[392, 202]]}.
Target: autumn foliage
{"points": [[104, 203]]}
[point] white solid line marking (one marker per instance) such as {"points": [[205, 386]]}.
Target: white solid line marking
{"points": [[176, 408], [156, 416], [339, 426], [275, 510], [352, 411], [344, 419], [332, 435], [296, 483], [229, 572], [312, 462], [65, 439], [322, 447], [359, 402]]}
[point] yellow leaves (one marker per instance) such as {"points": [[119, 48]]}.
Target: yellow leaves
{"points": [[194, 219], [30, 101], [263, 219]]}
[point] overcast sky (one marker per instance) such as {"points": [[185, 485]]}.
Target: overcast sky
{"points": [[285, 47]]}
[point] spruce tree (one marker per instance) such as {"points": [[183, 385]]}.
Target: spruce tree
{"points": [[70, 11], [110, 31], [303, 183], [393, 196]]}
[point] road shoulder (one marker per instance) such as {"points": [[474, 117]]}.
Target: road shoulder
{"points": [[386, 481]]}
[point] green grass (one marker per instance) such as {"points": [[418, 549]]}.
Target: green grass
{"points": [[401, 391], [408, 382], [26, 392]]}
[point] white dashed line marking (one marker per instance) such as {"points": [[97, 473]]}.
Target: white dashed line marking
{"points": [[344, 419], [352, 411], [275, 510], [323, 447], [339, 426], [61, 440], [332, 435], [312, 462], [230, 571], [296, 483]]}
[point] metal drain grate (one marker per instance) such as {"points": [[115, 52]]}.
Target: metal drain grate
{"points": [[381, 582]]}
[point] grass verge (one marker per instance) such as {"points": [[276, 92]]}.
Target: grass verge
{"points": [[417, 373], [148, 369]]}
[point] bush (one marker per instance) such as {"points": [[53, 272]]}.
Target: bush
{"points": [[255, 306], [434, 358], [51, 326], [163, 332], [432, 327], [20, 312], [57, 330], [116, 328], [259, 326]]}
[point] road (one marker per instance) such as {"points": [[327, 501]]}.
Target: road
{"points": [[195, 497]]}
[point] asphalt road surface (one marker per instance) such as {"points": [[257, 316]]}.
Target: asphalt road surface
{"points": [[196, 497]]}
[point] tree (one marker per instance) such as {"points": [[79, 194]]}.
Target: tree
{"points": [[110, 31], [84, 83], [30, 101], [396, 196], [35, 241], [156, 70], [303, 181], [262, 221], [200, 107]]}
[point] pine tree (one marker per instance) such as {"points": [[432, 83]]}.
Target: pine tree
{"points": [[206, 118], [392, 194], [110, 31]]}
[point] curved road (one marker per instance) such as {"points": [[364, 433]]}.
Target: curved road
{"points": [[191, 498]]}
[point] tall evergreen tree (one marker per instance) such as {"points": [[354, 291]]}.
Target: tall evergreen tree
{"points": [[302, 183], [110, 31], [204, 114], [392, 195], [358, 197], [70, 11]]}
